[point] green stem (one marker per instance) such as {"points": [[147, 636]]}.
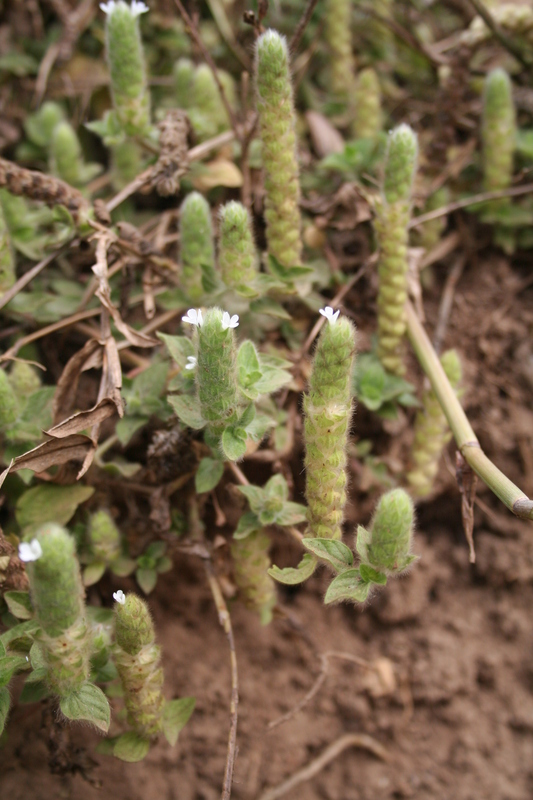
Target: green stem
{"points": [[467, 442]]}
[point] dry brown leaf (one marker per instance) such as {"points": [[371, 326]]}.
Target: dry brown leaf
{"points": [[219, 172], [135, 338], [85, 419], [88, 357], [53, 452], [326, 139]]}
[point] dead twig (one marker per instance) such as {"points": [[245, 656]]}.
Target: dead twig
{"points": [[225, 621], [506, 41], [332, 751], [447, 301], [482, 197], [302, 25]]}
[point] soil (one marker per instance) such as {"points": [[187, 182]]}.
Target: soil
{"points": [[450, 698]]}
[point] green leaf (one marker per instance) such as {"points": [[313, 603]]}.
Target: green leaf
{"points": [[11, 664], [127, 427], [272, 379], [291, 513], [247, 417], [371, 575], [89, 703], [277, 487], [123, 566], [331, 550], [255, 495], [210, 471], [19, 64], [294, 575], [362, 542], [93, 572], [266, 305], [50, 503], [179, 347], [259, 426], [131, 747], [5, 701], [21, 631], [347, 586], [36, 658], [147, 579], [211, 281], [287, 274], [248, 523], [142, 394], [187, 409], [19, 604], [33, 690], [234, 443], [176, 714], [105, 746], [156, 549]]}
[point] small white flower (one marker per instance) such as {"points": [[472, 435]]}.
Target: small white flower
{"points": [[229, 322], [193, 317], [138, 8], [120, 597], [109, 7], [192, 362], [328, 313], [30, 551]]}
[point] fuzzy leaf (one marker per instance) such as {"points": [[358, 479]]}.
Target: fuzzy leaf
{"points": [[89, 703], [277, 487], [123, 566], [36, 658], [21, 631], [33, 690], [234, 443], [93, 572], [331, 550], [294, 575], [272, 379], [248, 369], [291, 513], [347, 586], [266, 305], [210, 471], [9, 665], [248, 523], [287, 274], [131, 747], [147, 579], [4, 707], [50, 503], [187, 409], [255, 495], [19, 604], [127, 427], [371, 575], [176, 714]]}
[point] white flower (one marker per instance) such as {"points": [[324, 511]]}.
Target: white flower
{"points": [[193, 317], [30, 551], [136, 9], [328, 313], [192, 362], [120, 597], [229, 322]]}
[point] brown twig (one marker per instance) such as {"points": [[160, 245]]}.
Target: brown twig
{"points": [[332, 751], [193, 32], [225, 621], [499, 34], [28, 276], [482, 197], [302, 25], [447, 301]]}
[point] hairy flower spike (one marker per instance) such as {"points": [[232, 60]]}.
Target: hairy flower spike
{"points": [[66, 155], [386, 547], [57, 597], [276, 117], [24, 380], [498, 133], [207, 112], [104, 537], [197, 246], [328, 410], [251, 559], [368, 117], [131, 97], [216, 375], [392, 217], [7, 257], [338, 32], [431, 431], [237, 257], [137, 658]]}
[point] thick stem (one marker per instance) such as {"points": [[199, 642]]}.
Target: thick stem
{"points": [[515, 500]]}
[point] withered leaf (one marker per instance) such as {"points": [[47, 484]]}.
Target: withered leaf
{"points": [[84, 419], [88, 357]]}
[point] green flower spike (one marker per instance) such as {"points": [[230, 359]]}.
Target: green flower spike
{"points": [[104, 537], [64, 640], [276, 118], [137, 658], [338, 33], [237, 257], [498, 134], [251, 559], [216, 369], [183, 77], [24, 380], [386, 547], [126, 162], [431, 431], [367, 120], [129, 88], [9, 404], [392, 217], [66, 156], [7, 257], [197, 245], [328, 411]]}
